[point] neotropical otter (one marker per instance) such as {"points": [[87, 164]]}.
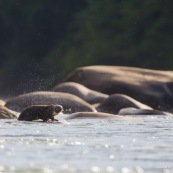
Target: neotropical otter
{"points": [[44, 112]]}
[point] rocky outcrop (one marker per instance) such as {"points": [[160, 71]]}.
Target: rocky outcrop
{"points": [[151, 87], [70, 103], [139, 112], [114, 103], [6, 113], [90, 115], [81, 91], [2, 102]]}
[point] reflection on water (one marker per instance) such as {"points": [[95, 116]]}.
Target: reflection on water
{"points": [[88, 145]]}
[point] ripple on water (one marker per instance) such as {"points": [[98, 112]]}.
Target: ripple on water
{"points": [[88, 145]]}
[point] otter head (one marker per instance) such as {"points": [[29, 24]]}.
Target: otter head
{"points": [[57, 109]]}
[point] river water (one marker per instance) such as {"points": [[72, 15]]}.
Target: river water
{"points": [[135, 145]]}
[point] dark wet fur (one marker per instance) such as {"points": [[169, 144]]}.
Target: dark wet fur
{"points": [[43, 112]]}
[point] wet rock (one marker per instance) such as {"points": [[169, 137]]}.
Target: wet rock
{"points": [[115, 102], [6, 113], [134, 111], [70, 103], [151, 87], [81, 91], [2, 102], [90, 115], [100, 115]]}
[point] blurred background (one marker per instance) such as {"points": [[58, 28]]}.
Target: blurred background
{"points": [[42, 41]]}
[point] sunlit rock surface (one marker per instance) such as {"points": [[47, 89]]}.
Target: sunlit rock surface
{"points": [[98, 116], [6, 113], [139, 112], [151, 87], [115, 102], [81, 91], [90, 115], [70, 103]]}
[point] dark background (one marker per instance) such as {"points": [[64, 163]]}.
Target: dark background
{"points": [[41, 41]]}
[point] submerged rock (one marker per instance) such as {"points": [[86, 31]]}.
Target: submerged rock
{"points": [[115, 102], [151, 87], [99, 115], [81, 91], [134, 111], [70, 103]]}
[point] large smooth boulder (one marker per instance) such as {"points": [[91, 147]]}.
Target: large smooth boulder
{"points": [[70, 103], [151, 87], [90, 115], [115, 102], [81, 91]]}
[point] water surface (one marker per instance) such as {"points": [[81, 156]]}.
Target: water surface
{"points": [[88, 145]]}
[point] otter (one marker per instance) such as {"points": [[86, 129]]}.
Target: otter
{"points": [[43, 112], [80, 91]]}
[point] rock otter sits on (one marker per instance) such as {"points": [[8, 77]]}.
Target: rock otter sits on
{"points": [[44, 112], [6, 113]]}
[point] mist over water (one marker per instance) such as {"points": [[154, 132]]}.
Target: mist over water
{"points": [[88, 145]]}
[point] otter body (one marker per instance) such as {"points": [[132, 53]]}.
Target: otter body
{"points": [[43, 112]]}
